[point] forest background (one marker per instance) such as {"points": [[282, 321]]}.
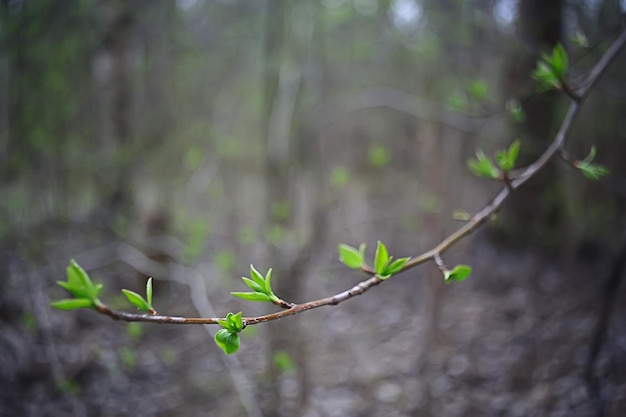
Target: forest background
{"points": [[185, 140]]}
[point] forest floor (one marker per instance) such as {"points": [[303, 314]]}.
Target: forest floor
{"points": [[513, 340]]}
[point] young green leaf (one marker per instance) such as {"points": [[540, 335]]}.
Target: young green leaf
{"points": [[137, 300], [79, 278], [149, 291], [381, 259], [515, 110], [349, 256], [589, 170], [78, 292], [256, 276], [73, 304], [396, 266], [268, 286], [252, 296], [478, 89], [457, 101], [482, 166], [253, 285], [233, 322], [229, 342], [506, 158], [458, 273], [592, 171]]}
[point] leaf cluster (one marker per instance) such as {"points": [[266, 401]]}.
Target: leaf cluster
{"points": [[80, 286], [227, 338], [589, 170], [484, 167], [143, 304], [551, 69], [384, 265], [260, 286]]}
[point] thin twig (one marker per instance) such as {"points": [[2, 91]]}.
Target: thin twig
{"points": [[475, 221]]}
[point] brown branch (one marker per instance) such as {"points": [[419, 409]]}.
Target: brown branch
{"points": [[433, 254]]}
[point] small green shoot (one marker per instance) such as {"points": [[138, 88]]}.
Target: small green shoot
{"points": [[507, 157], [261, 287], [458, 273], [351, 257], [551, 69], [383, 264], [140, 302], [80, 286], [227, 338], [589, 170], [483, 167]]}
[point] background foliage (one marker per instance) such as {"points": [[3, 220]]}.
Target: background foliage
{"points": [[186, 140]]}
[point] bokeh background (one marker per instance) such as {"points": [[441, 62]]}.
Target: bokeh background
{"points": [[185, 140]]}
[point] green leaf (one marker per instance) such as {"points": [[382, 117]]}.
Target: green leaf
{"points": [[252, 285], [515, 110], [79, 278], [457, 101], [268, 278], [149, 291], [73, 304], [589, 170], [551, 69], [396, 266], [349, 256], [579, 39], [592, 171], [235, 321], [478, 89], [381, 259], [252, 296], [256, 276], [482, 166], [78, 292], [137, 300], [506, 159], [458, 273], [559, 61], [229, 342], [378, 156]]}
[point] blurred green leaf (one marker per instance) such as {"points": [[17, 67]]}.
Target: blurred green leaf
{"points": [[379, 156], [515, 110], [506, 158], [339, 177], [224, 260], [457, 101], [280, 210], [478, 89], [134, 330], [483, 167], [283, 362], [592, 171]]}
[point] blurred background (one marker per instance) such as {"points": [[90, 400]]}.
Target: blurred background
{"points": [[185, 140]]}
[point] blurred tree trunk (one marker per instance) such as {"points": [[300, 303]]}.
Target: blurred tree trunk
{"points": [[534, 212], [117, 44], [276, 186]]}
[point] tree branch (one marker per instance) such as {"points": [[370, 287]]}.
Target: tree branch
{"points": [[433, 254]]}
